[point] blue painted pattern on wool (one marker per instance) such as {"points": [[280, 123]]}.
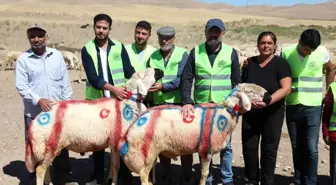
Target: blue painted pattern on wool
{"points": [[128, 112], [221, 123], [143, 120], [124, 150], [201, 125], [44, 118]]}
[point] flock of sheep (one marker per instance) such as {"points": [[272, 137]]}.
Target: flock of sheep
{"points": [[132, 131]]}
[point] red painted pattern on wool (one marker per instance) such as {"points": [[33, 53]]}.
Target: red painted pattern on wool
{"points": [[206, 133], [104, 113], [188, 119], [117, 124], [56, 130], [150, 127]]}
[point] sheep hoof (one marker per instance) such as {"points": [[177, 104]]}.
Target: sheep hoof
{"points": [[82, 153]]}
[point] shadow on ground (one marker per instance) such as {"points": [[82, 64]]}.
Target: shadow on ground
{"points": [[82, 169]]}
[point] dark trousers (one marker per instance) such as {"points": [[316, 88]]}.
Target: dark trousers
{"points": [[303, 124], [332, 156], [61, 163], [266, 125]]}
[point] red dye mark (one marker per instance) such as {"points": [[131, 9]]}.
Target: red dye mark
{"points": [[129, 94], [56, 130], [160, 107], [206, 133], [150, 132], [188, 119], [236, 108], [104, 113], [117, 125]]}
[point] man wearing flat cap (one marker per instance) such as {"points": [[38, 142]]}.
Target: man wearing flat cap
{"points": [[42, 78], [215, 67], [171, 59]]}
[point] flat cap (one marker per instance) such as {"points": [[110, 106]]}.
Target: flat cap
{"points": [[36, 26], [166, 31], [215, 23]]}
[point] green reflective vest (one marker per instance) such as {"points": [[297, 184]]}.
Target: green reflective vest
{"points": [[212, 83], [133, 55], [332, 124], [115, 65], [170, 73], [306, 77]]}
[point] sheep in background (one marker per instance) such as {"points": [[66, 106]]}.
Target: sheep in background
{"points": [[11, 59], [70, 59], [82, 126], [163, 130]]}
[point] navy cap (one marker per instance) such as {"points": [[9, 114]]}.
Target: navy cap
{"points": [[215, 23]]}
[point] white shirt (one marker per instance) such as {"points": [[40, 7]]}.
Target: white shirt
{"points": [[326, 55], [103, 59]]}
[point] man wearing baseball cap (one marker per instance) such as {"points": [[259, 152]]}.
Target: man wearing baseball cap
{"points": [[37, 71], [217, 64]]}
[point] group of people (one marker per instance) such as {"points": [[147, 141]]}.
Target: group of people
{"points": [[295, 80]]}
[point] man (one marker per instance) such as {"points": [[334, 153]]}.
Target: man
{"points": [[171, 59], [140, 51], [107, 65], [307, 60], [41, 79], [215, 67]]}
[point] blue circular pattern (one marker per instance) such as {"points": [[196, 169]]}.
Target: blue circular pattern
{"points": [[44, 118], [142, 121], [128, 112], [221, 123]]}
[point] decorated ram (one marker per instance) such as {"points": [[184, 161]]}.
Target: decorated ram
{"points": [[163, 130], [83, 126]]}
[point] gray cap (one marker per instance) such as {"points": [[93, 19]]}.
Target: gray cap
{"points": [[36, 26], [166, 31]]}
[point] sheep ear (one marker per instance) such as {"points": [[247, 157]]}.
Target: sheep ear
{"points": [[244, 103], [141, 87]]}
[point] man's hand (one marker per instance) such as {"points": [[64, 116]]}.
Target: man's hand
{"points": [[187, 110], [119, 92], [259, 104], [45, 104], [156, 87], [326, 140], [246, 62]]}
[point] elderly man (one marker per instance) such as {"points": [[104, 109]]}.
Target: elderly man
{"points": [[42, 78], [107, 66], [140, 51], [215, 67], [171, 59]]}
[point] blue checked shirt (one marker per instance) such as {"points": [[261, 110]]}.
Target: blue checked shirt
{"points": [[41, 77]]}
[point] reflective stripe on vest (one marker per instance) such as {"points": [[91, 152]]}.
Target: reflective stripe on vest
{"points": [[332, 124], [115, 65], [307, 80], [212, 84], [170, 73], [134, 58]]}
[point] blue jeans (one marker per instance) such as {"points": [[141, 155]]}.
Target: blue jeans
{"points": [[225, 166], [303, 123]]}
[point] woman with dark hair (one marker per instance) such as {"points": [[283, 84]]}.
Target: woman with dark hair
{"points": [[265, 121]]}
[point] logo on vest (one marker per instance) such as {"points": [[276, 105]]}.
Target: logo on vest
{"points": [[313, 66], [115, 56], [221, 64], [172, 66]]}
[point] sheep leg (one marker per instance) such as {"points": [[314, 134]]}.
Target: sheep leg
{"points": [[205, 162], [47, 177], [114, 168], [144, 172], [41, 172]]}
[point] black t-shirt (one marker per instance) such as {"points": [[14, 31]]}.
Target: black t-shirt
{"points": [[268, 76]]}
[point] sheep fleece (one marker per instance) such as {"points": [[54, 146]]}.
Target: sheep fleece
{"points": [[162, 129], [79, 125]]}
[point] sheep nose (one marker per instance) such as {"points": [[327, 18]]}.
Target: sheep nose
{"points": [[267, 98]]}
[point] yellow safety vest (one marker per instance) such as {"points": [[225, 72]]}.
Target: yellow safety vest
{"points": [[212, 84], [115, 64], [133, 55], [306, 77], [170, 73]]}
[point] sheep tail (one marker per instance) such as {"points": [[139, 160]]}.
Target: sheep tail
{"points": [[29, 158], [123, 147]]}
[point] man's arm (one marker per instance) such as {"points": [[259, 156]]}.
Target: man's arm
{"points": [[329, 67], [175, 83], [327, 111], [127, 66], [66, 85], [95, 80], [235, 69], [187, 79], [22, 83]]}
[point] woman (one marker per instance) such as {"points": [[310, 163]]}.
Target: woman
{"points": [[272, 73]]}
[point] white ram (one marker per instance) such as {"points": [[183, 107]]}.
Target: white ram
{"points": [[83, 125], [163, 130]]}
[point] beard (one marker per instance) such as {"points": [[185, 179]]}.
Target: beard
{"points": [[39, 45], [166, 47], [213, 43]]}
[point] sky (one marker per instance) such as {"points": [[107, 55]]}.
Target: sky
{"points": [[269, 2]]}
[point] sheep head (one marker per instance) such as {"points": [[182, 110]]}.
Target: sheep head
{"points": [[240, 98], [141, 81]]}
